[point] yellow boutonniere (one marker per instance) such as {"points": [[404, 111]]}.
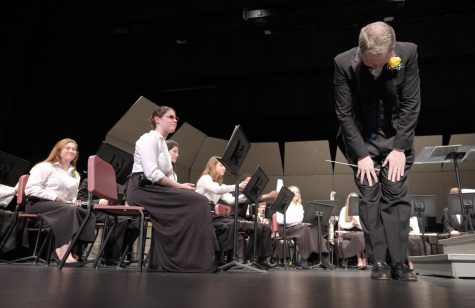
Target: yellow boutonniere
{"points": [[394, 63], [74, 174]]}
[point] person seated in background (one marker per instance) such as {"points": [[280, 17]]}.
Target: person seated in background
{"points": [[125, 232], [351, 237], [261, 213], [264, 232], [52, 190], [183, 238], [306, 235], [210, 184], [174, 150], [6, 194], [415, 245], [455, 225]]}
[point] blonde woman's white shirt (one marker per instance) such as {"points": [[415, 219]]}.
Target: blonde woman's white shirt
{"points": [[49, 180], [215, 191], [347, 224], [293, 215]]}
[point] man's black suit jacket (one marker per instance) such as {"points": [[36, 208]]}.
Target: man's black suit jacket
{"points": [[400, 91]]}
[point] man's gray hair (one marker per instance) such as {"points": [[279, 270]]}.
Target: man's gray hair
{"points": [[376, 38]]}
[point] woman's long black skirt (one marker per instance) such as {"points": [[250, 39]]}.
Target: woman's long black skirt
{"points": [[64, 220], [183, 238]]}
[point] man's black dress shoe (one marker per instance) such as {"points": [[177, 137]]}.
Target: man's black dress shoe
{"points": [[381, 271], [400, 271]]}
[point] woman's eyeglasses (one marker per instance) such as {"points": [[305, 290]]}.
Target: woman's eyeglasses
{"points": [[172, 117]]}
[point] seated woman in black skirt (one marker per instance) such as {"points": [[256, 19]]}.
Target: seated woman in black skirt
{"points": [[52, 190], [351, 236], [306, 235], [183, 239]]}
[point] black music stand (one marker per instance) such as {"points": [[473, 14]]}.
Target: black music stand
{"points": [[121, 161], [280, 204], [447, 154], [232, 159], [319, 211], [468, 203], [354, 206], [423, 206], [11, 168], [253, 191]]}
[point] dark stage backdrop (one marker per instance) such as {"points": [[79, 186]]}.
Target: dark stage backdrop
{"points": [[70, 71]]}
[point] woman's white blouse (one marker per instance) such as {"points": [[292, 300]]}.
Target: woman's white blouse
{"points": [[215, 191], [49, 180], [347, 224], [293, 215], [152, 157]]}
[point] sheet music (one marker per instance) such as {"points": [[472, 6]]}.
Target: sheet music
{"points": [[280, 183]]}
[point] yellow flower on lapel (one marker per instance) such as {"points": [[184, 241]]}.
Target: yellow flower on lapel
{"points": [[394, 63], [74, 174]]}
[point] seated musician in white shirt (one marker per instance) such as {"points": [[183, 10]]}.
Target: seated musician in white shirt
{"points": [[305, 235]]}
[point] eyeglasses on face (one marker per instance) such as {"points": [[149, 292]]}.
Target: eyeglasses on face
{"points": [[172, 117]]}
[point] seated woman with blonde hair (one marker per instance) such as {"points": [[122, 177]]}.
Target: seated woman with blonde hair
{"points": [[351, 236], [52, 190]]}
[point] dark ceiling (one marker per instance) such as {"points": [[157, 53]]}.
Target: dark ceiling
{"points": [[71, 70]]}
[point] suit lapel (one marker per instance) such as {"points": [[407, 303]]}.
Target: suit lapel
{"points": [[363, 78]]}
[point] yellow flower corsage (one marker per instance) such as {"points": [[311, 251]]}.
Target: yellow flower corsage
{"points": [[394, 63], [74, 174]]}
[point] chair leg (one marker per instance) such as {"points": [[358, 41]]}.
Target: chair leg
{"points": [[104, 242], [36, 250], [141, 241]]}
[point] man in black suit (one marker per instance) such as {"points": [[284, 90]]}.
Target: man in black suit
{"points": [[377, 96], [453, 224]]}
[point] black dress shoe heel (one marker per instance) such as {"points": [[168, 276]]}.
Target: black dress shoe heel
{"points": [[381, 271], [400, 271]]}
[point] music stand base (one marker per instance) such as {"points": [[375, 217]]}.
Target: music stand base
{"points": [[240, 266], [286, 266], [259, 266], [322, 265]]}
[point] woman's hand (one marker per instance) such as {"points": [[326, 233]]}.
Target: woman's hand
{"points": [[60, 199], [188, 186]]}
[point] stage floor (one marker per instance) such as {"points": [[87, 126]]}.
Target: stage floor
{"points": [[29, 286]]}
